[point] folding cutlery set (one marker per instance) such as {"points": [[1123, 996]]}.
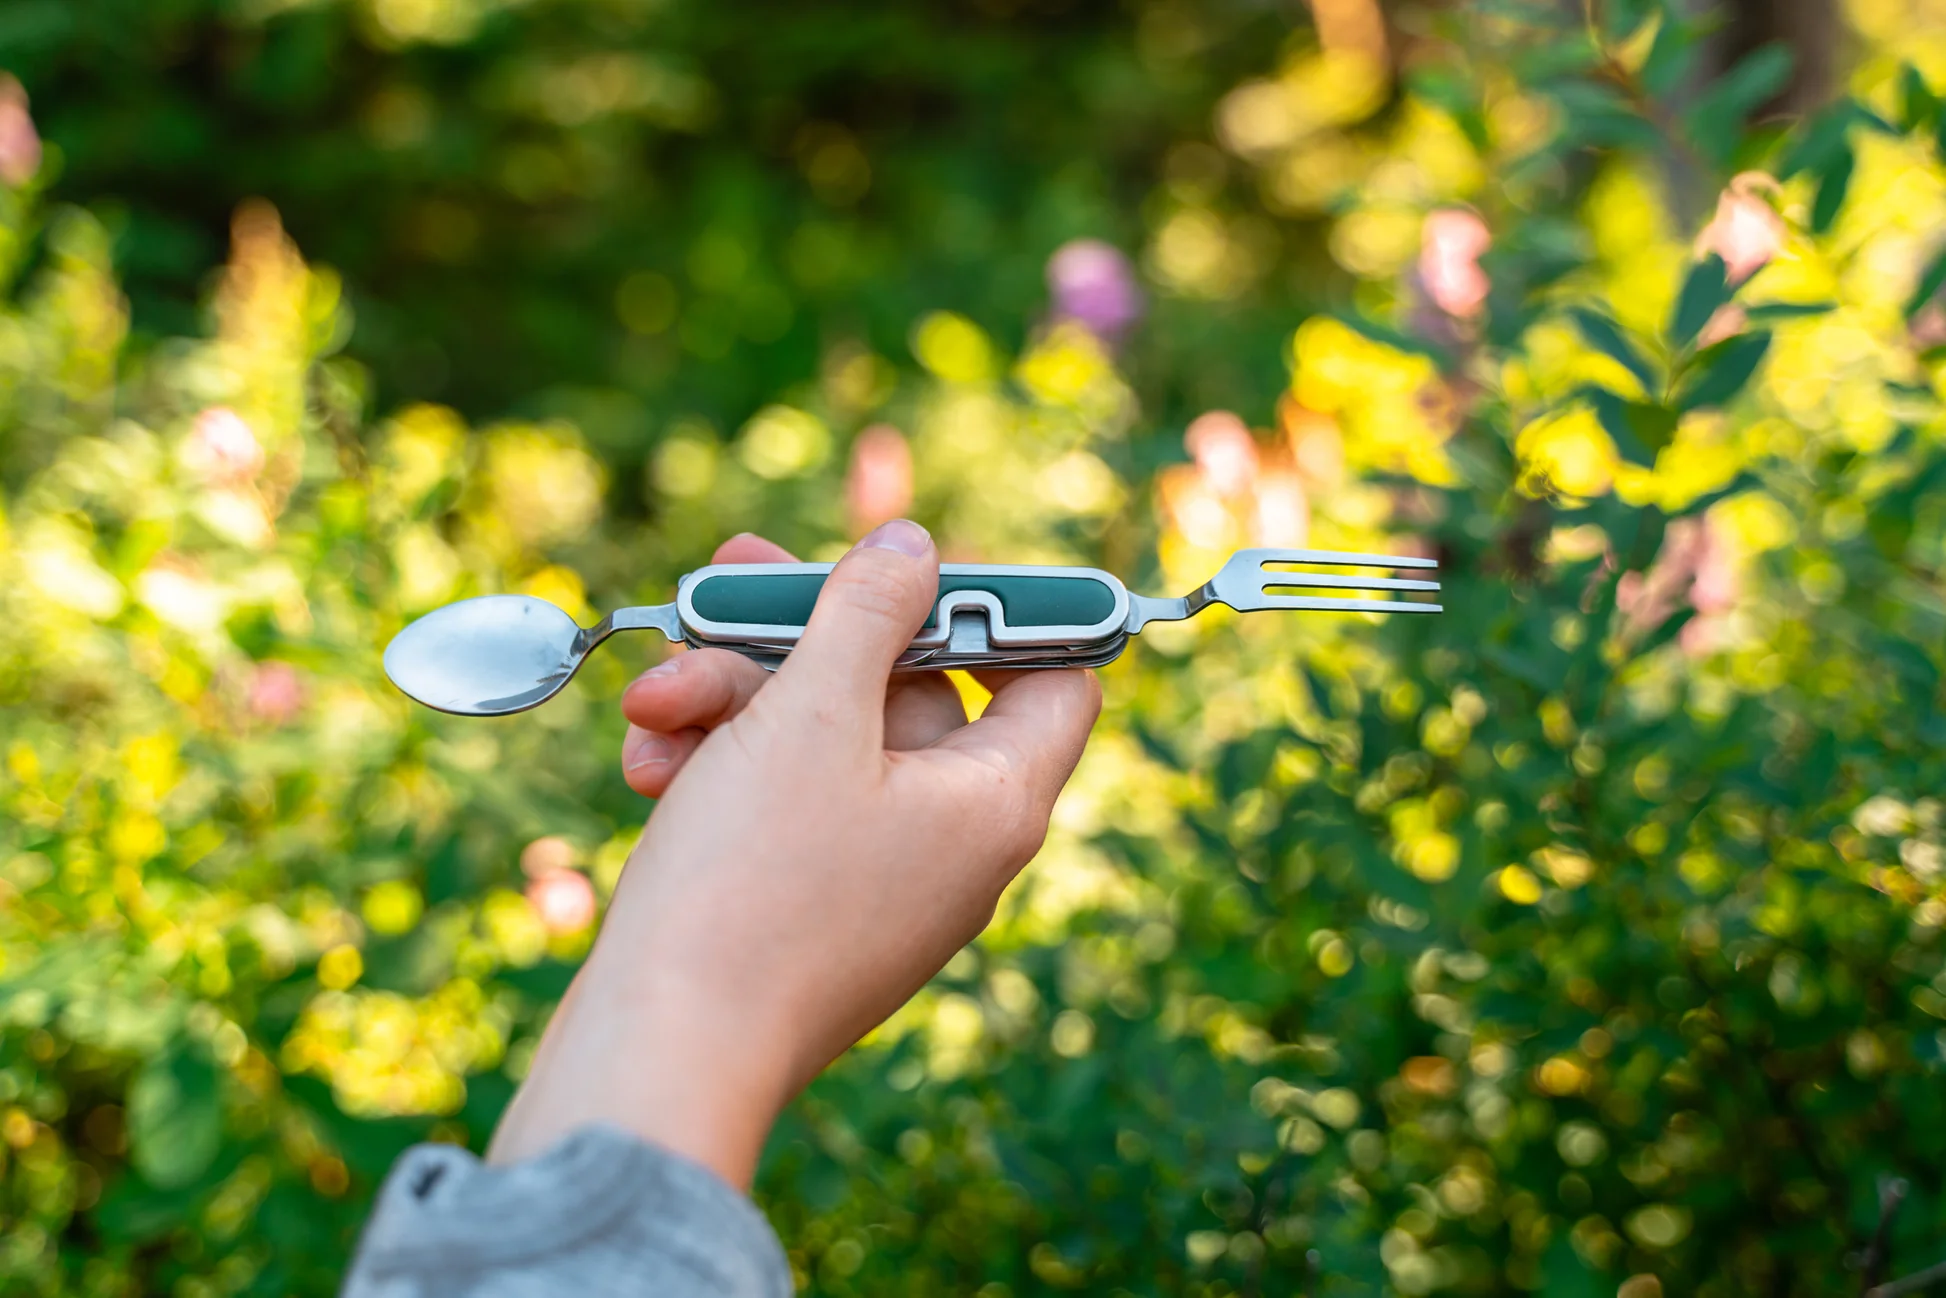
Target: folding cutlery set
{"points": [[500, 654]]}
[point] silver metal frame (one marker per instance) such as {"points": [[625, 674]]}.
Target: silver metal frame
{"points": [[970, 626], [999, 636]]}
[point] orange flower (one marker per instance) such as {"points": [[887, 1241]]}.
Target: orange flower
{"points": [[1194, 509], [546, 856]]}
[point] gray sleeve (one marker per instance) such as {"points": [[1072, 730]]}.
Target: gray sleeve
{"points": [[600, 1213]]}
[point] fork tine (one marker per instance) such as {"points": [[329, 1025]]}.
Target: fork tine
{"points": [[1278, 580], [1326, 603], [1337, 558]]}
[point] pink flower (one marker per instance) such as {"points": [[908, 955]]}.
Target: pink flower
{"points": [[878, 484], [1451, 244], [1647, 599], [1718, 577], [1093, 284], [1224, 451], [20, 143], [1728, 321], [1929, 327], [222, 447], [276, 692], [1283, 514], [564, 900], [1697, 565], [1746, 232]]}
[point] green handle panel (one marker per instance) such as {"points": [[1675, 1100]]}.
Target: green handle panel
{"points": [[786, 599]]}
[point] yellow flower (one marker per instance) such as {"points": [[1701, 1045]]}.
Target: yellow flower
{"points": [[1063, 367], [393, 907], [952, 347], [1386, 401], [1567, 451], [783, 441], [340, 967], [1517, 885]]}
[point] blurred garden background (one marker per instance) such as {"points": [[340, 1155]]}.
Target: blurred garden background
{"points": [[1586, 939]]}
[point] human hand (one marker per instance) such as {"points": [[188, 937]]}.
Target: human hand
{"points": [[672, 708], [827, 838]]}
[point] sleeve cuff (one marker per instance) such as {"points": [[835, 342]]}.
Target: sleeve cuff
{"points": [[602, 1210]]}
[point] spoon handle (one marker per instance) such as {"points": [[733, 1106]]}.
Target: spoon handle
{"points": [[642, 617]]}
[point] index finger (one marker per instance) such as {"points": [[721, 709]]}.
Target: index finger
{"points": [[748, 547]]}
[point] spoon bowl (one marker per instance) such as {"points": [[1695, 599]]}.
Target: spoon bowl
{"points": [[487, 657]]}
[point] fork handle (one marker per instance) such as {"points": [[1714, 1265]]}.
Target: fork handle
{"points": [[982, 612]]}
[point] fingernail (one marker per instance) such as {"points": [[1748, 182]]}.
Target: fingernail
{"points": [[646, 749], [901, 534], [669, 668]]}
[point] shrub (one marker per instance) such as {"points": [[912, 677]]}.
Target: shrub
{"points": [[1584, 937]]}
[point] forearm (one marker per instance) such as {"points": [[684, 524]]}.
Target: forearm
{"points": [[645, 1049]]}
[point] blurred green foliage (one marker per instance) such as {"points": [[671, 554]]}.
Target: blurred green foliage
{"points": [[613, 209], [1584, 939]]}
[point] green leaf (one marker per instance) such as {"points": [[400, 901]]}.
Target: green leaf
{"points": [[1817, 149], [1716, 121], [1920, 105], [1831, 192], [1523, 667], [1929, 284], [1872, 121], [1703, 293], [1594, 115], [175, 1119], [1606, 337], [1392, 338], [1786, 310], [1639, 429], [133, 1210], [1671, 58], [1665, 632], [1722, 371]]}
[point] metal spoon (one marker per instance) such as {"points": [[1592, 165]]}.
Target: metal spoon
{"points": [[500, 654]]}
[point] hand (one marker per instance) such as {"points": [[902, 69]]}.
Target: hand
{"points": [[827, 838], [672, 708]]}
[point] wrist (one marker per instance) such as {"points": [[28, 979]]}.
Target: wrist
{"points": [[658, 1052]]}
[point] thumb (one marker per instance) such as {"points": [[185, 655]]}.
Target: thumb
{"points": [[872, 604]]}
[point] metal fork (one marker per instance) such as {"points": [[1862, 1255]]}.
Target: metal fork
{"points": [[1245, 584]]}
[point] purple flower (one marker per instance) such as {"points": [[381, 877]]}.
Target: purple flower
{"points": [[1093, 284]]}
